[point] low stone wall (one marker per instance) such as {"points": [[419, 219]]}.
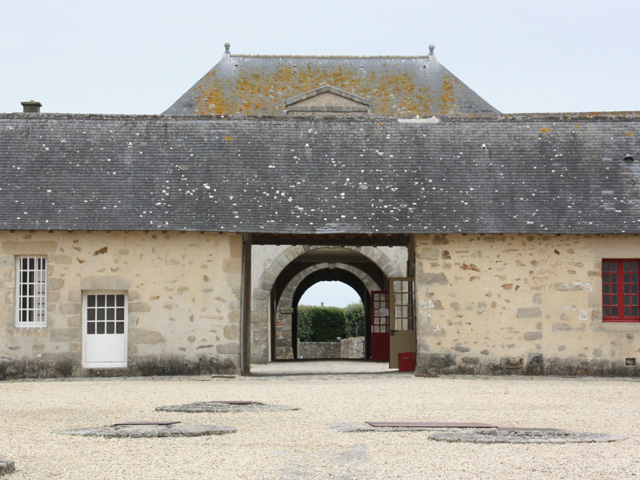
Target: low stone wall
{"points": [[351, 348], [143, 366], [312, 350]]}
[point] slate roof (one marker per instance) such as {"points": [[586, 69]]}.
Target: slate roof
{"points": [[259, 85], [500, 174]]}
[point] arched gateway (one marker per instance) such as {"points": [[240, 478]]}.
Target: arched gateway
{"points": [[286, 272], [285, 321]]}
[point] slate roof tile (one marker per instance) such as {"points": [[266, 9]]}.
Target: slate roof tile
{"points": [[256, 85], [496, 174]]}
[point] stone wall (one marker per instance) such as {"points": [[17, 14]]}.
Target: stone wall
{"points": [[348, 348], [530, 304], [352, 348], [318, 350], [183, 293]]}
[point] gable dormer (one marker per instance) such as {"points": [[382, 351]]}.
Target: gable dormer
{"points": [[327, 100], [402, 86]]}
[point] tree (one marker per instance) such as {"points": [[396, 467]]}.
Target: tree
{"points": [[354, 320]]}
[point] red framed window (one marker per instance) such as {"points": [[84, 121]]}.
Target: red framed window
{"points": [[620, 291]]}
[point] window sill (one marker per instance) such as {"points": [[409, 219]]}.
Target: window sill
{"points": [[619, 326]]}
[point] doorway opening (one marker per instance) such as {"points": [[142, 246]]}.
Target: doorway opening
{"points": [[284, 268], [329, 321], [347, 266]]}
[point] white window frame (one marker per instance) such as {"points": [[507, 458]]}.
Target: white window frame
{"points": [[31, 305]]}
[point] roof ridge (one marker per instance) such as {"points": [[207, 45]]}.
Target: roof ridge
{"points": [[358, 57], [628, 115]]}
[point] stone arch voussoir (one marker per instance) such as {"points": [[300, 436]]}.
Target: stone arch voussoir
{"points": [[283, 314]]}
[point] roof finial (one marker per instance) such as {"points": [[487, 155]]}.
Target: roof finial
{"points": [[432, 47], [227, 47]]}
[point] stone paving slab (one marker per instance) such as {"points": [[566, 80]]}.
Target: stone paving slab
{"points": [[224, 407], [142, 430], [7, 466]]}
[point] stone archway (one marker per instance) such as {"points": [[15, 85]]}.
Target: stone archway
{"points": [[263, 304], [283, 330]]}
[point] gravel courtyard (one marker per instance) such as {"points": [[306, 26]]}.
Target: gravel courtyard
{"points": [[301, 444]]}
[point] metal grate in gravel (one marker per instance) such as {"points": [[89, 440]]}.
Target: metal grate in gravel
{"points": [[430, 425], [129, 424]]}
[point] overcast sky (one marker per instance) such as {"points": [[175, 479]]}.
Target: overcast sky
{"points": [[135, 56]]}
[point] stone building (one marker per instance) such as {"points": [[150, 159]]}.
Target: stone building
{"points": [[182, 242]]}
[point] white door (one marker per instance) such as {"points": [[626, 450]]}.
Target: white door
{"points": [[104, 330]]}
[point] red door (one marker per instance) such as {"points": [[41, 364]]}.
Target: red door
{"points": [[380, 326]]}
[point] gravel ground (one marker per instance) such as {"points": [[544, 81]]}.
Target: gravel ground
{"points": [[301, 445]]}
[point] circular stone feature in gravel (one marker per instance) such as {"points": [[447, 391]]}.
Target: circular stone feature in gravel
{"points": [[6, 466], [487, 435], [224, 406], [151, 430], [506, 435]]}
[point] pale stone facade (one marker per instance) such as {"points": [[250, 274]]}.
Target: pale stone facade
{"points": [[184, 295], [527, 303], [512, 303]]}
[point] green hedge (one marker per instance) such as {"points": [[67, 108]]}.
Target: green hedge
{"points": [[326, 324], [354, 320], [320, 324]]}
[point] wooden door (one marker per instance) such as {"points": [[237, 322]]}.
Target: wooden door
{"points": [[380, 326], [402, 318]]}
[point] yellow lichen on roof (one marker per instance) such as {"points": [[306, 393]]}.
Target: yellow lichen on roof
{"points": [[259, 91], [211, 100]]}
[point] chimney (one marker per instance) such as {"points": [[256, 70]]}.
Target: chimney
{"points": [[31, 106]]}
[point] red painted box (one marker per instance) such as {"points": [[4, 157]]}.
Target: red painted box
{"points": [[406, 362]]}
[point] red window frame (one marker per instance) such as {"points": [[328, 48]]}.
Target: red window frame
{"points": [[620, 290]]}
